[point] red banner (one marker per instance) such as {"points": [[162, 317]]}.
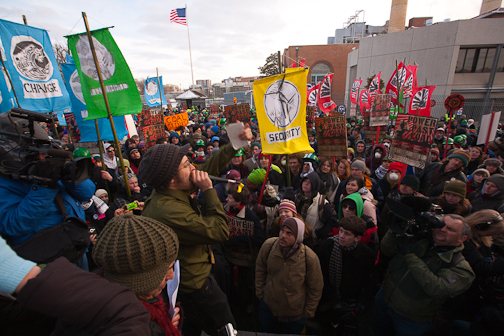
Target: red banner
{"points": [[325, 102], [364, 104], [354, 91], [374, 86], [411, 81], [421, 102], [391, 87], [312, 95]]}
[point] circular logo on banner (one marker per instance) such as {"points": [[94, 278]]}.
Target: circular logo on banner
{"points": [[151, 88], [76, 87], [105, 59], [281, 102], [454, 102], [342, 109], [30, 59]]}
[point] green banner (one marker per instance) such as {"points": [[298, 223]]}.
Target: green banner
{"points": [[120, 86]]}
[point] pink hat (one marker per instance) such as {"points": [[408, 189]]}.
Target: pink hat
{"points": [[287, 204]]}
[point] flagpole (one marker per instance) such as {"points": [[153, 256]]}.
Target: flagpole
{"points": [[189, 39], [100, 147], [10, 80], [159, 88], [107, 105]]}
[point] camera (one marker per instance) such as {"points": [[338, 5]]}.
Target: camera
{"points": [[413, 216], [24, 142]]}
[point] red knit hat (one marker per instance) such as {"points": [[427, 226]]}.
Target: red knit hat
{"points": [[396, 165]]}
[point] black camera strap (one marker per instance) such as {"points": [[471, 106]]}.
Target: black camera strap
{"points": [[61, 205]]}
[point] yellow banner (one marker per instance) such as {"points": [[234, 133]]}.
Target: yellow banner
{"points": [[280, 102]]}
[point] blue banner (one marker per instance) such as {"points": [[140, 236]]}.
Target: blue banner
{"points": [[6, 95], [30, 61], [151, 87], [87, 128]]}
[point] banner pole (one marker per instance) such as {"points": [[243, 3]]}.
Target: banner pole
{"points": [[189, 39], [398, 88], [24, 20], [160, 93], [489, 130], [9, 78], [107, 105], [448, 135], [377, 134], [287, 170]]}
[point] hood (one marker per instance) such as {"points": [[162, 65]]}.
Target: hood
{"points": [[359, 204], [383, 147], [358, 142], [315, 181]]}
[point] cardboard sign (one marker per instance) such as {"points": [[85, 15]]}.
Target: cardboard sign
{"points": [[239, 227], [214, 109], [310, 113], [331, 136], [175, 121], [412, 139], [149, 118], [152, 133], [380, 110], [73, 129], [370, 131], [235, 113], [353, 110]]}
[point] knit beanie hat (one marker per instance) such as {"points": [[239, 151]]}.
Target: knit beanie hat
{"points": [[481, 171], [456, 187], [256, 144], [257, 176], [412, 181], [297, 227], [160, 164], [136, 252], [215, 129], [462, 156], [435, 150], [121, 181], [360, 165], [492, 162], [397, 166], [288, 205], [100, 192]]}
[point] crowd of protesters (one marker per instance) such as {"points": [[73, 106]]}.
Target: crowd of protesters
{"points": [[303, 243]]}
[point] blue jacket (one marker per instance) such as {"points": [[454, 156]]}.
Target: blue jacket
{"points": [[27, 208]]}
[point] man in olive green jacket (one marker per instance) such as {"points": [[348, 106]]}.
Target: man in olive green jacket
{"points": [[168, 170], [420, 278]]}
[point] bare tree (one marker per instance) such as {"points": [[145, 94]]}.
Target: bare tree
{"points": [[271, 67], [60, 51], [140, 85]]}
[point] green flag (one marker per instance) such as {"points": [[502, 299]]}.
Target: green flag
{"points": [[121, 88]]}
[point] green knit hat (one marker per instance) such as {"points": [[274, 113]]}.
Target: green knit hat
{"points": [[456, 187], [136, 252], [257, 176], [462, 156]]}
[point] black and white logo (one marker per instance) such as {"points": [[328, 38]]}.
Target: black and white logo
{"points": [[342, 109], [151, 88], [30, 59], [281, 102], [76, 87], [105, 59], [420, 99]]}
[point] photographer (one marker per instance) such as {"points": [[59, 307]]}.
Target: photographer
{"points": [[423, 273]]}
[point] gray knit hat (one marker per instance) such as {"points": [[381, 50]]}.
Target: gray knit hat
{"points": [[136, 252], [360, 165], [160, 164]]}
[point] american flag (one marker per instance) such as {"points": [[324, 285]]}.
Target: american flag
{"points": [[178, 16]]}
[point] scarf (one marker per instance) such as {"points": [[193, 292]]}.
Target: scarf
{"points": [[330, 181], [303, 202], [110, 163], [380, 172], [234, 211], [311, 169], [336, 262], [159, 313]]}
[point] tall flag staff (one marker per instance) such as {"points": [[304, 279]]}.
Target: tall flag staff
{"points": [[179, 15], [160, 92], [107, 105]]}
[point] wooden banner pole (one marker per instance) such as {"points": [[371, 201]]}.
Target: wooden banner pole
{"points": [[489, 130]]}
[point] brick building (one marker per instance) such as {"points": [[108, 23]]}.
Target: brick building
{"points": [[322, 60]]}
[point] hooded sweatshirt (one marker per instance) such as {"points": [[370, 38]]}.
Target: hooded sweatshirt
{"points": [[372, 162], [363, 154], [370, 237], [481, 201]]}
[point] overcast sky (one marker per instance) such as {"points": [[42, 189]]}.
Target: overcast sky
{"points": [[228, 38]]}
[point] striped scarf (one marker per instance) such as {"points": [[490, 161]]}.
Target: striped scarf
{"points": [[336, 262]]}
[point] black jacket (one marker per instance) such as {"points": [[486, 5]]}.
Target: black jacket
{"points": [[426, 177], [480, 201]]}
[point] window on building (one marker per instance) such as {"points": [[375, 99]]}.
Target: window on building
{"points": [[318, 72], [477, 60]]}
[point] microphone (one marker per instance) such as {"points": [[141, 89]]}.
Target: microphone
{"points": [[220, 179]]}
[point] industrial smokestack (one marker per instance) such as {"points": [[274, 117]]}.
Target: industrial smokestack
{"points": [[397, 16], [490, 5]]}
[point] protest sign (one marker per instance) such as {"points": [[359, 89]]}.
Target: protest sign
{"points": [[353, 110], [489, 124], [310, 113], [214, 109], [239, 227], [370, 131], [331, 136], [148, 118], [235, 113], [412, 139], [152, 133], [73, 129], [175, 121], [380, 110]]}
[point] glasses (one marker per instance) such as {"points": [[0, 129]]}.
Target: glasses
{"points": [[110, 150], [345, 207], [186, 164]]}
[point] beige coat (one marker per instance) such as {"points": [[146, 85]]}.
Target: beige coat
{"points": [[290, 287]]}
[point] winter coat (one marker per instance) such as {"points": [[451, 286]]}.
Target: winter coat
{"points": [[331, 182], [27, 208], [289, 287], [416, 285], [195, 232], [480, 201], [371, 184], [373, 163], [432, 186]]}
